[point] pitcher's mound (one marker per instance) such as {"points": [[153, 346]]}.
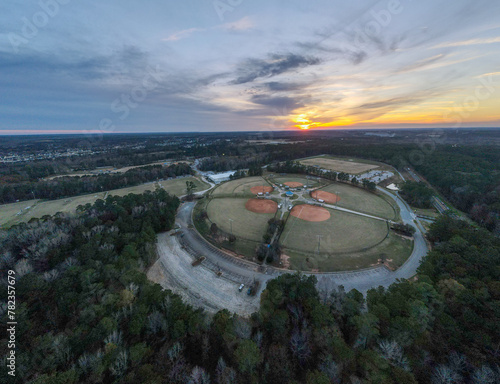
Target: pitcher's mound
{"points": [[293, 184], [261, 189], [310, 213], [330, 198], [261, 206]]}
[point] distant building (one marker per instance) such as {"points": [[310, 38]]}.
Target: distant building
{"points": [[220, 177]]}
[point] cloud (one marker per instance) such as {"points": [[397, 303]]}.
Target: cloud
{"points": [[464, 43], [275, 86], [421, 63], [276, 64], [278, 102], [354, 55], [235, 26], [239, 25], [488, 74], [182, 34]]}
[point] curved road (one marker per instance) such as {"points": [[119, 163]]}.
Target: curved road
{"points": [[239, 270]]}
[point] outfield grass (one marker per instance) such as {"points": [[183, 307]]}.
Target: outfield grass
{"points": [[342, 232], [245, 225], [395, 249], [350, 166], [40, 208], [239, 187], [363, 201]]}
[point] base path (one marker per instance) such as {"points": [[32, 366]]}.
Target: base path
{"points": [[327, 197], [293, 184], [261, 206], [310, 213], [261, 189]]}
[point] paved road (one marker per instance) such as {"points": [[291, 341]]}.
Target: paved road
{"points": [[362, 280]]}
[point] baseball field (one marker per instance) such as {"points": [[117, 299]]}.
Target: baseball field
{"points": [[350, 166], [347, 196], [242, 187], [338, 231], [235, 213], [294, 181], [315, 237]]}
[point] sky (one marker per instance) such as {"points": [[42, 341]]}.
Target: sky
{"points": [[70, 66]]}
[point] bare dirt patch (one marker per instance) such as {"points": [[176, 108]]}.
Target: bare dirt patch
{"points": [[261, 206], [330, 198], [293, 184], [285, 259], [261, 189], [310, 213]]}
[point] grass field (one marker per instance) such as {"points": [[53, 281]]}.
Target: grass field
{"points": [[395, 249], [174, 187], [240, 187], [246, 225], [345, 165], [363, 201], [39, 208], [342, 232]]}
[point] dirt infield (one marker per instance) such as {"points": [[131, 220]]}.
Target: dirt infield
{"points": [[330, 198], [261, 206], [261, 189], [293, 184], [310, 213]]}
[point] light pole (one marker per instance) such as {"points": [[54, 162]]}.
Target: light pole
{"points": [[231, 223], [336, 198], [319, 242]]}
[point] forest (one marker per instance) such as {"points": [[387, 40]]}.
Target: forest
{"points": [[465, 174], [417, 194], [67, 186], [86, 312]]}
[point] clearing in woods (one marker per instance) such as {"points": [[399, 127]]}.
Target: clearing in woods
{"points": [[351, 167], [11, 214]]}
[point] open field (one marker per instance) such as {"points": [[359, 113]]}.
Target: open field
{"points": [[239, 187], [39, 208], [363, 201], [174, 187], [341, 232], [395, 250], [111, 170], [49, 207], [9, 212], [246, 225], [353, 167]]}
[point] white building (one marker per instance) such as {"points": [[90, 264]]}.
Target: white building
{"points": [[220, 177]]}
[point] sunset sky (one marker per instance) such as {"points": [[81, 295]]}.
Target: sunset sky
{"points": [[229, 65]]}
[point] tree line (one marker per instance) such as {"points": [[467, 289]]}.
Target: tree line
{"points": [[67, 186], [87, 313]]}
